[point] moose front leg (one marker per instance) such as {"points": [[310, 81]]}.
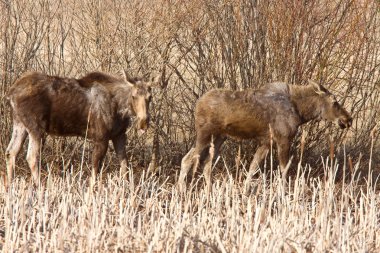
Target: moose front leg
{"points": [[283, 147], [100, 150], [119, 143]]}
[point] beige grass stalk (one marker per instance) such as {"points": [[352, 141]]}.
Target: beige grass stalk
{"points": [[146, 215], [302, 146], [373, 134]]}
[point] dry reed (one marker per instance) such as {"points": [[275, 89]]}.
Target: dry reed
{"points": [[141, 214]]}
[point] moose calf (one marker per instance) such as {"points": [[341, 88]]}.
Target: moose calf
{"points": [[97, 106], [277, 109]]}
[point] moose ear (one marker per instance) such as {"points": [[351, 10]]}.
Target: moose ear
{"points": [[125, 74], [319, 89], [128, 78], [154, 82]]}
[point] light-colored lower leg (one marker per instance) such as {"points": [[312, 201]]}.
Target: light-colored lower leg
{"points": [[186, 164], [14, 147], [123, 167], [207, 172], [260, 154], [214, 152], [32, 156], [283, 157]]}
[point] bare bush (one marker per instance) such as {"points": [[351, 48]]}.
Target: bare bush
{"points": [[194, 46], [198, 45]]}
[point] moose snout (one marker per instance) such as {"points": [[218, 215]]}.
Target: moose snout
{"points": [[345, 122], [143, 124]]}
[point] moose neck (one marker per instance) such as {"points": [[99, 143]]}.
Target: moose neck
{"points": [[306, 101]]}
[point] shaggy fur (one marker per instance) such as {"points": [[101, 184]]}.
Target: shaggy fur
{"points": [[276, 110], [97, 106]]}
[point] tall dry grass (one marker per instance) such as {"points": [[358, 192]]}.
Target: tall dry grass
{"points": [[330, 205], [148, 214]]}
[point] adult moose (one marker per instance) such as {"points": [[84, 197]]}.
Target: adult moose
{"points": [[277, 109], [97, 106]]}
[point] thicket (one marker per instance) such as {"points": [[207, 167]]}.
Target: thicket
{"points": [[195, 46]]}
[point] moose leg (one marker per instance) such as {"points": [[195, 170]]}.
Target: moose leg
{"points": [[260, 154], [186, 163], [283, 147], [208, 162], [193, 158], [18, 137], [100, 150], [217, 144], [33, 154], [119, 145]]}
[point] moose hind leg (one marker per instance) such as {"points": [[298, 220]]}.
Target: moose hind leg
{"points": [[186, 164], [18, 137], [217, 143], [33, 154], [193, 158], [260, 154]]}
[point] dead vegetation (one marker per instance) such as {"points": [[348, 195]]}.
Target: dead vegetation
{"points": [[195, 46], [148, 214]]}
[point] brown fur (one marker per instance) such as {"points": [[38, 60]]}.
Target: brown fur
{"points": [[97, 106], [277, 109]]}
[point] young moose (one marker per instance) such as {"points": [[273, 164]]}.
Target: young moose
{"points": [[277, 109], [98, 106]]}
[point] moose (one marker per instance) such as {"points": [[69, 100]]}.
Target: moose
{"points": [[98, 106], [274, 111]]}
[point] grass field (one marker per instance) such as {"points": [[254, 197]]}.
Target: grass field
{"points": [[195, 46], [148, 214]]}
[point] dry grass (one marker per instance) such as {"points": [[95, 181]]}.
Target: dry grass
{"points": [[197, 45], [143, 214]]}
